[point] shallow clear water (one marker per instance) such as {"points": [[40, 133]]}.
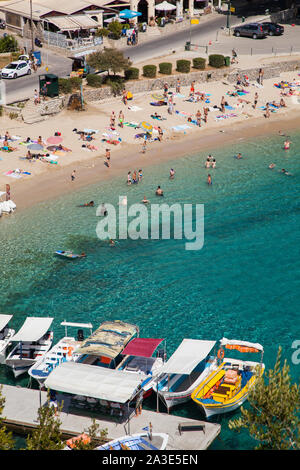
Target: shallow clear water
{"points": [[243, 284]]}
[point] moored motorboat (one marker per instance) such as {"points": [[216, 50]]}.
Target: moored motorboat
{"points": [[6, 334], [141, 441], [69, 254], [183, 372], [33, 341], [139, 360], [227, 387], [63, 351]]}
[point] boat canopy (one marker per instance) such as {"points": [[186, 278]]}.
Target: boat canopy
{"points": [[142, 347], [4, 319], [92, 381], [109, 339], [77, 325], [242, 346], [187, 356], [33, 329]]}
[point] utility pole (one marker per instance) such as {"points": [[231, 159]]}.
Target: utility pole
{"points": [[228, 15], [31, 27]]}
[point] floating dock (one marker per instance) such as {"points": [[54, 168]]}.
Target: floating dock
{"points": [[21, 413]]}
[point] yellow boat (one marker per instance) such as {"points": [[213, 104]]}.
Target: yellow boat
{"points": [[228, 386]]}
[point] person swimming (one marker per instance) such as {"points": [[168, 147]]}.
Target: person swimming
{"points": [[209, 181], [111, 242], [239, 156], [159, 191], [286, 144], [271, 166], [207, 163], [145, 200], [172, 174]]}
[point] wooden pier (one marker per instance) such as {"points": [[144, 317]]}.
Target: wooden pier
{"points": [[21, 411]]}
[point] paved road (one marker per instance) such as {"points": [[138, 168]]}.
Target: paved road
{"points": [[201, 34]]}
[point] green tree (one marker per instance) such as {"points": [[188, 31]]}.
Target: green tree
{"points": [[47, 435], [109, 59], [115, 29], [273, 416], [8, 44], [6, 439], [93, 433]]}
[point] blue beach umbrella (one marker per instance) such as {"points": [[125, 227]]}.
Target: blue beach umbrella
{"points": [[129, 14]]}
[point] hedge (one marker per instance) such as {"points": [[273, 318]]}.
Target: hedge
{"points": [[216, 60], [64, 85], [165, 68], [75, 83], [199, 63], [183, 65], [149, 71], [94, 80], [132, 73]]}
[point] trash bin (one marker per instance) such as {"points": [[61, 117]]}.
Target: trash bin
{"points": [[243, 19], [51, 82], [187, 46], [227, 61]]}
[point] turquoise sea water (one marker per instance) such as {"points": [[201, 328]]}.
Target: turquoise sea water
{"points": [[243, 284]]}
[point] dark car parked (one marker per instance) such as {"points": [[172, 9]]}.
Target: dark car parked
{"points": [[273, 29], [250, 30]]}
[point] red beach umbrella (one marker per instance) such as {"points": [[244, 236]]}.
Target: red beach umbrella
{"points": [[54, 140]]}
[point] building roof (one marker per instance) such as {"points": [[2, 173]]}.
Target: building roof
{"points": [[41, 8], [69, 23]]}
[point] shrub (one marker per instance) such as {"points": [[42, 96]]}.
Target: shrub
{"points": [[216, 60], [102, 32], [94, 80], [9, 44], [149, 71], [64, 85], [183, 65], [165, 68], [132, 73], [116, 86], [115, 29], [199, 63], [75, 83]]}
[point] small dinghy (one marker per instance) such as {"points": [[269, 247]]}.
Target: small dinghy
{"points": [[69, 254]]}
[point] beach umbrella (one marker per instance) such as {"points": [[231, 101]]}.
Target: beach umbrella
{"points": [[129, 14], [52, 148], [146, 126], [55, 139], [114, 18], [35, 147], [157, 96], [165, 6]]}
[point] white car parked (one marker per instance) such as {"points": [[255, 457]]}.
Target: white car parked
{"points": [[16, 69]]}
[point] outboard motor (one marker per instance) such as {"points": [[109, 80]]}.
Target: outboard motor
{"points": [[80, 336]]}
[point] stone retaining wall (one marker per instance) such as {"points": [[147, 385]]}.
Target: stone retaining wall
{"points": [[53, 106], [227, 74]]}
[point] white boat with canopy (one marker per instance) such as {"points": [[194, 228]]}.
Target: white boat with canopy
{"points": [[228, 386], [104, 346], [140, 441], [108, 390], [6, 334], [183, 372], [65, 350], [139, 359], [33, 341]]}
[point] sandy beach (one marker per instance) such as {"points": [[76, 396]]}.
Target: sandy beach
{"points": [[49, 180]]}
